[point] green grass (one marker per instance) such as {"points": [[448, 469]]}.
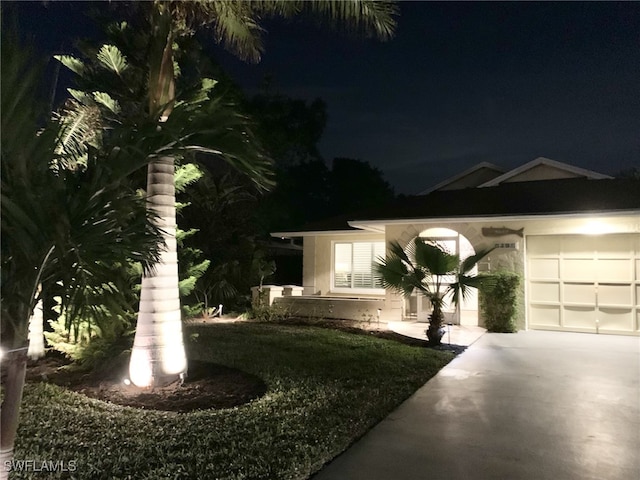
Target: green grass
{"points": [[326, 388]]}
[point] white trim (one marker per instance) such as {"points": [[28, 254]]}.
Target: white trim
{"points": [[463, 174], [364, 226], [358, 290], [314, 233], [550, 163], [374, 292], [532, 216]]}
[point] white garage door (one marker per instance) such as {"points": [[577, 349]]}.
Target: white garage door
{"points": [[583, 283]]}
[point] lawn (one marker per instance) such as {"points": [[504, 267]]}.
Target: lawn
{"points": [[326, 388]]}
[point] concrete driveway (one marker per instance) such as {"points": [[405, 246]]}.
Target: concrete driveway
{"points": [[532, 405]]}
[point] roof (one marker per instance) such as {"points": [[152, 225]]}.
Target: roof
{"points": [[535, 171], [545, 197], [471, 177]]}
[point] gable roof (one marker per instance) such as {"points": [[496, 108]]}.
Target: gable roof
{"points": [[549, 197], [543, 168], [471, 177]]}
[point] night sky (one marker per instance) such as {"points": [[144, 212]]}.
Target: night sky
{"points": [[460, 83]]}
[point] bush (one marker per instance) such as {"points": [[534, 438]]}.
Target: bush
{"points": [[499, 303], [86, 343], [268, 313]]}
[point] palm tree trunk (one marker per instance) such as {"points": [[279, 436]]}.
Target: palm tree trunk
{"points": [[158, 356], [14, 369], [36, 332]]}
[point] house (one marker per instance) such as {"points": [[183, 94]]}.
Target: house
{"points": [[573, 235]]}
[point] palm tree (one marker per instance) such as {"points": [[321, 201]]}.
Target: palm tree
{"points": [[158, 353], [58, 223], [424, 268]]}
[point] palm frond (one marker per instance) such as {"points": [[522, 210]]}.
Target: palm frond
{"points": [[367, 17], [470, 262], [396, 250], [77, 66], [111, 58], [61, 223], [215, 127], [434, 258], [105, 99]]}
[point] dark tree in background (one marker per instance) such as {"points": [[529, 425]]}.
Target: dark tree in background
{"points": [[356, 185], [306, 189], [289, 128]]}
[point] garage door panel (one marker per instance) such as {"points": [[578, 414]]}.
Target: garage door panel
{"points": [[578, 247], [544, 268], [545, 315], [615, 295], [576, 269], [584, 283], [614, 246], [579, 317], [544, 246], [615, 270], [580, 293], [545, 292], [616, 319]]}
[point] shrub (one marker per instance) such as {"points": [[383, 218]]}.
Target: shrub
{"points": [[269, 313], [499, 303]]}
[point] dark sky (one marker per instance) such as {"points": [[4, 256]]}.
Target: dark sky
{"points": [[460, 83]]}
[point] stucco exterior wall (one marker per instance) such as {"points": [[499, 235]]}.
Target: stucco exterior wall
{"points": [[506, 258], [318, 260], [318, 257]]}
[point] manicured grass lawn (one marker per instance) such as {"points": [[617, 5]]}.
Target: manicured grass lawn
{"points": [[325, 389]]}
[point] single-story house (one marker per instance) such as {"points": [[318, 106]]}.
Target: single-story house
{"points": [[573, 235]]}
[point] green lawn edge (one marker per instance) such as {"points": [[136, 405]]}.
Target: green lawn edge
{"points": [[326, 388]]}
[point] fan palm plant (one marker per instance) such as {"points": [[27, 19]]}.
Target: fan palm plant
{"points": [[424, 268], [58, 223]]}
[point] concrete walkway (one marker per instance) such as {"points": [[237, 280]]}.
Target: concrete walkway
{"points": [[455, 334], [532, 405]]}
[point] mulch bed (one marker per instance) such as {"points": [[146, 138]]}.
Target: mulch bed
{"points": [[207, 386]]}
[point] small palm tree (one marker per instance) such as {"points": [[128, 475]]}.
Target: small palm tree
{"points": [[424, 268]]}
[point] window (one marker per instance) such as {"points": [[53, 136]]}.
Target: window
{"points": [[353, 265]]}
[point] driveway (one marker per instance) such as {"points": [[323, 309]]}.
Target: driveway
{"points": [[532, 405]]}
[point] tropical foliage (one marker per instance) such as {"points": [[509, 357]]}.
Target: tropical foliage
{"points": [[237, 27], [197, 121], [425, 267], [61, 223], [499, 302]]}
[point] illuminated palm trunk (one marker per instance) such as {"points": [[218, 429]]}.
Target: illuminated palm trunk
{"points": [[158, 356]]}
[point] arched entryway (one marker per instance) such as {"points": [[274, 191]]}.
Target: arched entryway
{"points": [[466, 313]]}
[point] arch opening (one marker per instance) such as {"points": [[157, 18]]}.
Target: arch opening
{"points": [[466, 313]]}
